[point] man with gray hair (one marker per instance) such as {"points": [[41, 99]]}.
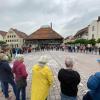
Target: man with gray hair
{"points": [[69, 80]]}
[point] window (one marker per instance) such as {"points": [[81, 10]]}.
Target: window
{"points": [[17, 45], [86, 34], [8, 36], [93, 28], [92, 36]]}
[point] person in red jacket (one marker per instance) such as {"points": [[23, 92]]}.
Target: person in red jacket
{"points": [[19, 69]]}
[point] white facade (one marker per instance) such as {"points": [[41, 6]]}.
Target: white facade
{"points": [[1, 38], [94, 30], [13, 40], [84, 36]]}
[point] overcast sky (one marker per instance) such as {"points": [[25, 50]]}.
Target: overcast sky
{"points": [[67, 16]]}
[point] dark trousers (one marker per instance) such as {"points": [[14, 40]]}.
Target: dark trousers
{"points": [[87, 96], [5, 87], [23, 93]]}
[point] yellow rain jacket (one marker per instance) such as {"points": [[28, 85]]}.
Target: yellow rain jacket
{"points": [[42, 79]]}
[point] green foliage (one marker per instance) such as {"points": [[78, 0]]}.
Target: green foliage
{"points": [[85, 41], [81, 41], [98, 41], [92, 42], [2, 42]]}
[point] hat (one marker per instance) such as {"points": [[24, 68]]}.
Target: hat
{"points": [[43, 59]]}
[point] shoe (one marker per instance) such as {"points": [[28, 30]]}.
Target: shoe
{"points": [[9, 98]]}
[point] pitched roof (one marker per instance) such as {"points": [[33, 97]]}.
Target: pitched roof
{"points": [[45, 33], [82, 31], [20, 34], [3, 33]]}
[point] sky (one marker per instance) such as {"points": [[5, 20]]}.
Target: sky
{"points": [[66, 16]]}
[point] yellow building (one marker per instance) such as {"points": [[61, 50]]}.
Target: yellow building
{"points": [[15, 38]]}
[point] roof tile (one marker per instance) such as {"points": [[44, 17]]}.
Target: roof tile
{"points": [[45, 33]]}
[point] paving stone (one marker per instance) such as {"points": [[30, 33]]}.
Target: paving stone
{"points": [[56, 61]]}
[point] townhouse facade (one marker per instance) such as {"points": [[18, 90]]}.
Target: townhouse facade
{"points": [[82, 34], [15, 38], [94, 29]]}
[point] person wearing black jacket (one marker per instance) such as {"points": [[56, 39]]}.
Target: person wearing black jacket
{"points": [[69, 80], [6, 75]]}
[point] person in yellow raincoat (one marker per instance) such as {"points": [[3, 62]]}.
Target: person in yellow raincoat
{"points": [[42, 79]]}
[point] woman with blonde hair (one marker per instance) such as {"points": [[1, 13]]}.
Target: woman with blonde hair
{"points": [[19, 69], [42, 79]]}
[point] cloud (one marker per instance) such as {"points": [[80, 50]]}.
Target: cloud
{"points": [[67, 16]]}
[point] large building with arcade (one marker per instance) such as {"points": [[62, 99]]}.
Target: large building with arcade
{"points": [[44, 36]]}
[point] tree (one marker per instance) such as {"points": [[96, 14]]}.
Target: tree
{"points": [[81, 41], [92, 42], [98, 41], [2, 42]]}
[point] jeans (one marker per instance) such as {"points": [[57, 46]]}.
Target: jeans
{"points": [[65, 97], [23, 93], [5, 87]]}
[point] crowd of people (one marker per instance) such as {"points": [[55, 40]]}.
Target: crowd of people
{"points": [[42, 79], [83, 49]]}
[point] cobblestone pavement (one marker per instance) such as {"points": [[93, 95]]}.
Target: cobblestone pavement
{"points": [[85, 64]]}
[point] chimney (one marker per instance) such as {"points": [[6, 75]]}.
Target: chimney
{"points": [[51, 25], [98, 18]]}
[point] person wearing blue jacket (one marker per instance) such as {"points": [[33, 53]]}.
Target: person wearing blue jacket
{"points": [[93, 85]]}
